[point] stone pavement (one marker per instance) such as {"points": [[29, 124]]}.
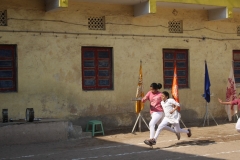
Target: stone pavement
{"points": [[210, 142]]}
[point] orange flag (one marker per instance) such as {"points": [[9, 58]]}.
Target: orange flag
{"points": [[175, 85], [140, 93]]}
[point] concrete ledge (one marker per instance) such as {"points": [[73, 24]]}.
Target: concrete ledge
{"points": [[75, 132], [33, 132]]}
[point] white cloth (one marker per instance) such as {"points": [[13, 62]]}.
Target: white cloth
{"points": [[238, 125], [231, 95], [156, 120], [163, 125], [168, 106]]}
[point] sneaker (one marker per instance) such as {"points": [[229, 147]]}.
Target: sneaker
{"points": [[152, 141], [189, 133], [147, 142], [178, 136]]}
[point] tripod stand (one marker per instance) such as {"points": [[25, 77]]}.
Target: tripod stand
{"points": [[139, 118], [183, 123], [232, 113], [206, 116]]}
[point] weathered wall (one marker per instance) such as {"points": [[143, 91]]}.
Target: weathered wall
{"points": [[49, 64]]}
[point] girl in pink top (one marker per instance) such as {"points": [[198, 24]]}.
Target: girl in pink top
{"points": [[234, 102], [156, 110]]}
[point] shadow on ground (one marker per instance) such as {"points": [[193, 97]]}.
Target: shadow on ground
{"points": [[191, 143], [95, 148]]}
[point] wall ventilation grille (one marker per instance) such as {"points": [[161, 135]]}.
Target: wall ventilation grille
{"points": [[175, 26], [3, 18], [96, 23], [238, 30]]}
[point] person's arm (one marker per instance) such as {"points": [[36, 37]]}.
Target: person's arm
{"points": [[223, 102], [174, 109], [146, 97], [176, 106]]}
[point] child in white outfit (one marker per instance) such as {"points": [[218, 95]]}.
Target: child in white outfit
{"points": [[172, 116]]}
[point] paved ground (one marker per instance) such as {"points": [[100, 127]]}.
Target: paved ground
{"points": [[210, 142]]}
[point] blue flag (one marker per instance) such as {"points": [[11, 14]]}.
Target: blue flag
{"points": [[207, 84]]}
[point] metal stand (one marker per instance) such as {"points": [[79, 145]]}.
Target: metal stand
{"points": [[139, 118], [183, 123], [234, 117], [206, 116]]}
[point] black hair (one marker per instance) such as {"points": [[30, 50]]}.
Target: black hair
{"points": [[156, 86], [166, 94]]}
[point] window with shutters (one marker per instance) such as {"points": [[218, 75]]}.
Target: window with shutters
{"points": [[180, 56], [236, 65], [97, 68], [8, 68]]}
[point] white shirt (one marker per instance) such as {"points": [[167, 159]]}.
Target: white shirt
{"points": [[168, 106]]}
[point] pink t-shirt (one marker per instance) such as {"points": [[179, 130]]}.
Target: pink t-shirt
{"points": [[236, 102], [155, 101]]}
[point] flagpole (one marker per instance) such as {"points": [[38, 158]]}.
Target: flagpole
{"points": [[236, 114], [139, 114], [207, 95], [206, 116], [139, 104], [175, 87], [231, 110]]}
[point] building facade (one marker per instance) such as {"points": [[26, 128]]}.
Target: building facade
{"points": [[80, 60]]}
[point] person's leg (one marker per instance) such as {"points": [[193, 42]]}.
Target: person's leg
{"points": [[238, 125], [170, 129], [161, 126], [160, 120], [156, 116], [180, 130]]}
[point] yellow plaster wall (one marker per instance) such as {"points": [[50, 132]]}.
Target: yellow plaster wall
{"points": [[49, 64], [230, 4]]}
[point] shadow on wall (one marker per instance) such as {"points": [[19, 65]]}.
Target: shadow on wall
{"points": [[189, 115], [126, 121], [110, 121]]}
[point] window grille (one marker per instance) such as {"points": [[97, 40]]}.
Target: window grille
{"points": [[236, 65], [180, 57], [175, 26], [97, 68], [8, 68], [96, 23], [3, 18]]}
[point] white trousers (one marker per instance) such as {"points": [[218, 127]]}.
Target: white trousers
{"points": [[163, 125], [238, 125], [156, 119]]}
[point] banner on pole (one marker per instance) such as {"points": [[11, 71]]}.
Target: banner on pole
{"points": [[175, 85], [207, 84], [231, 95], [139, 94]]}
